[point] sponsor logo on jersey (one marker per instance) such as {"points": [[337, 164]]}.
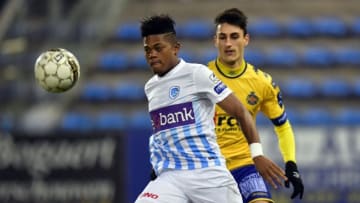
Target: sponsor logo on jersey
{"points": [[225, 119], [220, 87], [252, 99], [150, 195], [225, 123], [172, 116], [232, 72], [213, 78], [174, 92]]}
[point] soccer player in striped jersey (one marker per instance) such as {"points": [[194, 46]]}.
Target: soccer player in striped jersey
{"points": [[256, 90], [183, 149]]}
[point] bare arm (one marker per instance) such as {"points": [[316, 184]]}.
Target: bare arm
{"points": [[235, 108]]}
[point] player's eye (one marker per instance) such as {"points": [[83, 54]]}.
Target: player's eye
{"points": [[147, 50], [222, 37], [158, 48], [234, 36]]}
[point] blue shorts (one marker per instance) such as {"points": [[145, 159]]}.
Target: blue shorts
{"points": [[251, 185]]}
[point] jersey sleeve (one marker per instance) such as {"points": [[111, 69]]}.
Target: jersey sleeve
{"points": [[206, 82], [273, 106]]}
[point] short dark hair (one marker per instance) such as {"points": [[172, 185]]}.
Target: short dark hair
{"points": [[233, 16], [157, 24]]}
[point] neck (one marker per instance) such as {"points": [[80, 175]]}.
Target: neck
{"points": [[172, 67]]}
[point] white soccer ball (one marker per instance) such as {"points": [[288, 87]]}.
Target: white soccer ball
{"points": [[57, 70]]}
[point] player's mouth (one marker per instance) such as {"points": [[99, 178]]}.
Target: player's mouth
{"points": [[229, 52], [155, 63]]}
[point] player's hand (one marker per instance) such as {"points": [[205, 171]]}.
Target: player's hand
{"points": [[271, 172], [152, 175], [294, 178]]}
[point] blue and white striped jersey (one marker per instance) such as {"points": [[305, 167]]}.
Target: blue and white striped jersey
{"points": [[181, 106]]}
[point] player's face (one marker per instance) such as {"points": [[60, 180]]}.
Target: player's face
{"points": [[230, 42], [160, 53]]}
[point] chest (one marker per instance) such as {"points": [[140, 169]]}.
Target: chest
{"points": [[170, 92], [248, 90]]}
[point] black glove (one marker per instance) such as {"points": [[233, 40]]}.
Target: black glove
{"points": [[152, 175], [294, 177]]}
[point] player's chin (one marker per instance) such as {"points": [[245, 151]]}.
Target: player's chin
{"points": [[158, 70], [156, 67], [230, 59]]}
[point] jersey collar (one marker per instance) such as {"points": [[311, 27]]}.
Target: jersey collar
{"points": [[230, 72]]}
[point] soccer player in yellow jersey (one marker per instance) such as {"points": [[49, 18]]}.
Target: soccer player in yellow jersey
{"points": [[257, 92]]}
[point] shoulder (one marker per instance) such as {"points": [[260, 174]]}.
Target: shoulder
{"points": [[211, 65], [196, 68], [149, 83], [259, 74], [265, 79], [195, 65]]}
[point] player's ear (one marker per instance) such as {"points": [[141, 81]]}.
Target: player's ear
{"points": [[215, 40], [177, 47], [247, 39]]}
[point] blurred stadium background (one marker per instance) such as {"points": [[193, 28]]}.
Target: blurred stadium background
{"points": [[89, 145]]}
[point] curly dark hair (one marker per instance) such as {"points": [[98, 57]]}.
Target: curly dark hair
{"points": [[157, 24]]}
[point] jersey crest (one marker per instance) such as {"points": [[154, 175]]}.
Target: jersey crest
{"points": [[252, 99], [174, 92]]}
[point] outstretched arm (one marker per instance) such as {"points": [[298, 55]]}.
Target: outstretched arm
{"points": [[287, 148], [271, 172]]}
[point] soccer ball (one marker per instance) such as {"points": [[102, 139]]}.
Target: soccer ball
{"points": [[57, 70]]}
